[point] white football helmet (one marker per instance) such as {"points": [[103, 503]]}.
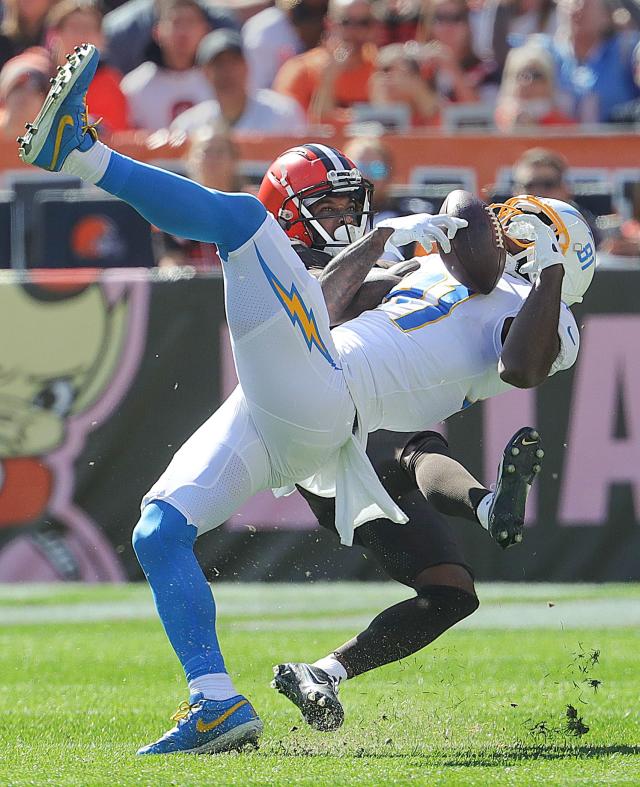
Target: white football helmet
{"points": [[572, 232]]}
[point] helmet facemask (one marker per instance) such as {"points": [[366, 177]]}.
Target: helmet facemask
{"points": [[338, 183], [572, 234]]}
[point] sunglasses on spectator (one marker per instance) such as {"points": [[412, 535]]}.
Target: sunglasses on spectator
{"points": [[531, 75], [449, 19], [356, 22], [538, 185]]}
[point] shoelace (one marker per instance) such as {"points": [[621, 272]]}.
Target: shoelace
{"points": [[90, 128], [184, 709]]}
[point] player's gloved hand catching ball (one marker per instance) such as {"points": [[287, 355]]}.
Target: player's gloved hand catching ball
{"points": [[546, 249], [423, 228]]}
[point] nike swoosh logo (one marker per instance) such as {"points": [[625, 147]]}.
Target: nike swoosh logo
{"points": [[570, 334], [202, 727], [65, 120], [528, 442]]}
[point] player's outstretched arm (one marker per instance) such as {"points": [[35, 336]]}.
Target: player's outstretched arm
{"points": [[343, 279], [530, 341], [346, 285]]}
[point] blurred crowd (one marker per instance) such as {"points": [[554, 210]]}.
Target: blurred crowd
{"points": [[204, 69], [278, 67]]}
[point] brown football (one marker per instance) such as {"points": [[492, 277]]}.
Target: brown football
{"points": [[478, 253]]}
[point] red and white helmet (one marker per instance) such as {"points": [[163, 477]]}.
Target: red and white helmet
{"points": [[572, 232], [305, 174]]}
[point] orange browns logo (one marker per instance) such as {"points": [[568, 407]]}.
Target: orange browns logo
{"points": [[95, 237]]}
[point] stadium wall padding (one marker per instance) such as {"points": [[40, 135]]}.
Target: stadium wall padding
{"points": [[104, 375]]}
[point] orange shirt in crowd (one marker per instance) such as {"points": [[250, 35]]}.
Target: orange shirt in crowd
{"points": [[299, 77], [105, 99]]}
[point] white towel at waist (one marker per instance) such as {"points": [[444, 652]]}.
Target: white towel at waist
{"points": [[360, 496]]}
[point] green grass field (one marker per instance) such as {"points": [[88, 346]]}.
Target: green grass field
{"points": [[87, 676]]}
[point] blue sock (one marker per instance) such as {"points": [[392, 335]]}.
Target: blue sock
{"points": [[163, 542], [182, 207]]}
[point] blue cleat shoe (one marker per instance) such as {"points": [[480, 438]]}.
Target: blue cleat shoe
{"points": [[62, 124], [209, 727]]}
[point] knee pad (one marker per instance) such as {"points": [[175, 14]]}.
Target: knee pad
{"points": [[452, 602], [419, 444], [161, 528]]}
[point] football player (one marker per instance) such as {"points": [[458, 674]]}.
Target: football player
{"points": [[324, 219], [308, 396]]}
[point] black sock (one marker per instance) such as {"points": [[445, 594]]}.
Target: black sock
{"points": [[406, 628], [445, 483]]}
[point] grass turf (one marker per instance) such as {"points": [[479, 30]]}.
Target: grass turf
{"points": [[477, 707]]}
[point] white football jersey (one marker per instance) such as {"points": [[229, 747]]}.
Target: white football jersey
{"points": [[433, 348]]}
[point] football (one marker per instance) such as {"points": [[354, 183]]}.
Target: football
{"points": [[478, 252]]}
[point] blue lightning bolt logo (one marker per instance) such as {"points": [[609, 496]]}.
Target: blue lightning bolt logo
{"points": [[298, 313]]}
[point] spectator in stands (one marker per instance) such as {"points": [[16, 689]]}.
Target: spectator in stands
{"points": [[629, 112], [527, 95], [500, 25], [129, 31], [449, 61], [24, 83], [336, 74], [594, 61], [627, 242], [543, 172], [73, 22], [375, 160], [399, 20], [158, 91], [280, 32], [397, 80], [213, 161], [23, 26], [222, 59]]}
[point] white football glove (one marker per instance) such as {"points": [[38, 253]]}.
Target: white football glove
{"points": [[423, 228], [546, 249]]}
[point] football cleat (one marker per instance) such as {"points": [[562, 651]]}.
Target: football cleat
{"points": [[62, 124], [521, 462], [209, 727], [314, 691]]}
